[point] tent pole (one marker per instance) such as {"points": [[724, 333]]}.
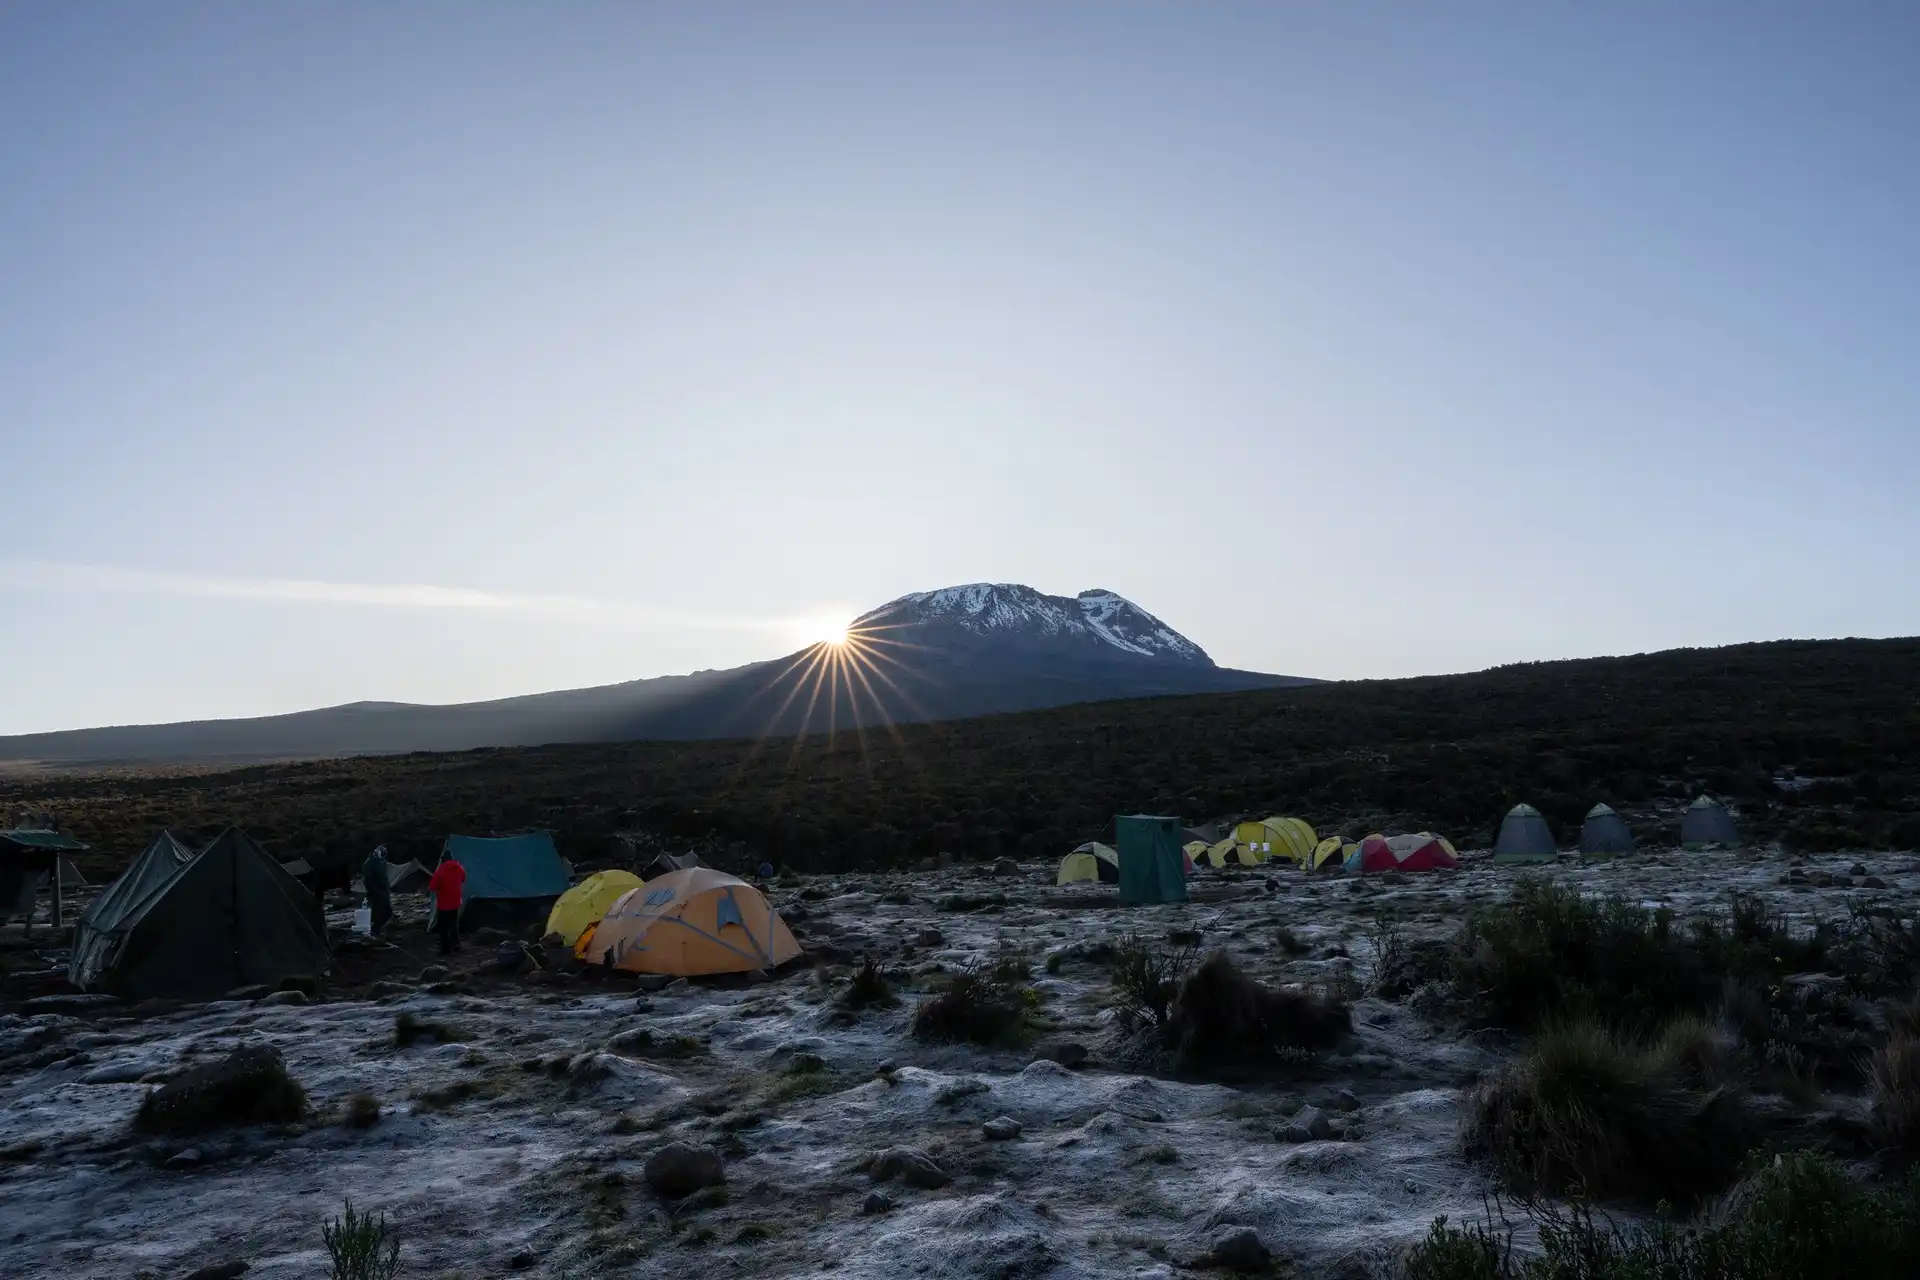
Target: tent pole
{"points": [[58, 902]]}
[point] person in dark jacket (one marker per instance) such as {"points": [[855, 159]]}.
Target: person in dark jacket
{"points": [[373, 873], [448, 887]]}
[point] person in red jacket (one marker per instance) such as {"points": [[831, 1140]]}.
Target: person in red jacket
{"points": [[448, 886]]}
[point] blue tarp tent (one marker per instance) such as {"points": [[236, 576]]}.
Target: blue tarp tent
{"points": [[510, 879]]}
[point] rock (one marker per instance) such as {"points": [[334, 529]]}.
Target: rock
{"points": [[435, 973], [1309, 1125], [68, 1003], [1000, 1129], [1873, 882], [221, 1271], [876, 1202], [652, 982], [1006, 867], [929, 938], [677, 986], [521, 1260], [1346, 1101], [1241, 1250], [285, 997], [126, 1071], [254, 991], [680, 1168], [186, 1159], [379, 989], [642, 1005], [1857, 869], [248, 1086], [1820, 880], [909, 1164], [755, 977], [1068, 1053], [928, 864]]}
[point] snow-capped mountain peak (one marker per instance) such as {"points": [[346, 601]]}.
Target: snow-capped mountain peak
{"points": [[1012, 611]]}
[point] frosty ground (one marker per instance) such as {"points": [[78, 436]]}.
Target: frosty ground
{"points": [[512, 1133]]}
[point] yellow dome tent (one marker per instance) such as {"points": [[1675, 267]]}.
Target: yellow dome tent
{"points": [[688, 923], [1331, 851], [1218, 853], [1288, 838], [581, 907], [1091, 861]]}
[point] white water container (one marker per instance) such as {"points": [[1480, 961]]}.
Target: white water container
{"points": [[363, 921]]}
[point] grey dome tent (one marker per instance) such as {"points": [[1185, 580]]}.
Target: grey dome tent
{"points": [[1708, 822], [193, 926], [1524, 837], [1605, 831]]}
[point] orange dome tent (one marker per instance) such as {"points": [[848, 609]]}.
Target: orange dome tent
{"points": [[690, 922]]}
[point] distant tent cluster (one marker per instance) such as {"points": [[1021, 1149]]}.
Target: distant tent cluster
{"points": [[1526, 837]]}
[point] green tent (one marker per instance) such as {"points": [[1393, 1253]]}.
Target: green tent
{"points": [[1152, 868], [193, 926], [511, 880]]}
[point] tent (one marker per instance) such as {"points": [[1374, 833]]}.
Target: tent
{"points": [[586, 902], [1605, 832], [666, 862], [1195, 851], [1151, 864], [1423, 851], [29, 858], [1091, 861], [1525, 837], [1708, 822], [1216, 854], [511, 880], [1288, 838], [407, 877], [193, 926], [1328, 853], [688, 923]]}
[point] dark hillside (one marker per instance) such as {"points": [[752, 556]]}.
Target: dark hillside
{"points": [[1449, 752]]}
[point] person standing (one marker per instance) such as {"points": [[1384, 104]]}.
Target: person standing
{"points": [[373, 873], [448, 886]]}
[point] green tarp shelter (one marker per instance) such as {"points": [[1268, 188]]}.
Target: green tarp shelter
{"points": [[510, 879], [1605, 832], [1524, 837], [193, 926], [1152, 868], [1707, 822]]}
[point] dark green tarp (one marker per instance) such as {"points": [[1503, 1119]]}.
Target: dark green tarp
{"points": [[1152, 868], [511, 880], [189, 926]]}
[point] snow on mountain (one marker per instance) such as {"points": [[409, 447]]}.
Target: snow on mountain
{"points": [[1008, 609]]}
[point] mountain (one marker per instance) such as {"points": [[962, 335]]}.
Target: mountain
{"points": [[933, 655]]}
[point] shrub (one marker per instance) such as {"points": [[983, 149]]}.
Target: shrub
{"points": [[1221, 1016], [363, 1111], [1583, 1112], [1290, 942], [982, 1004], [362, 1246], [1893, 1076], [867, 987], [248, 1086], [1146, 979], [409, 1030]]}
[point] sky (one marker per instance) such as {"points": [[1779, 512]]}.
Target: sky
{"points": [[435, 352]]}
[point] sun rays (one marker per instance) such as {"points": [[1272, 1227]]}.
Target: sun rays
{"points": [[841, 681]]}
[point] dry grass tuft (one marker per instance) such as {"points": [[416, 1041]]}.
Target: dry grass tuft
{"points": [[1221, 1017]]}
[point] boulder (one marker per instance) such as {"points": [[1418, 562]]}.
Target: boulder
{"points": [[1005, 867], [652, 982], [254, 991], [285, 997], [680, 1168], [876, 1202], [1000, 1129], [911, 1166], [435, 973], [929, 938], [1068, 1053], [1309, 1125], [248, 1086], [1240, 1250]]}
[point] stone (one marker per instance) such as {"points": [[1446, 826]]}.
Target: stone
{"points": [[876, 1202], [221, 1271], [1820, 880], [255, 991], [1346, 1101], [521, 1261], [435, 973], [248, 1086], [1000, 1129], [642, 1005], [379, 989], [188, 1158], [652, 982], [1004, 867], [71, 1003], [285, 997], [1242, 1250], [911, 1166], [1309, 1125], [929, 938], [1068, 1053], [1857, 869], [680, 1168], [1873, 882]]}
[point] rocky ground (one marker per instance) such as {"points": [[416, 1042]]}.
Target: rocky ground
{"points": [[517, 1122]]}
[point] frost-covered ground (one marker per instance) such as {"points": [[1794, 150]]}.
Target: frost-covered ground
{"points": [[517, 1147]]}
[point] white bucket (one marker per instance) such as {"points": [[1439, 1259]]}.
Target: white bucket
{"points": [[363, 920]]}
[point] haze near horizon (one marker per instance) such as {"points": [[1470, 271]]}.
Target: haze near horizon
{"points": [[433, 353]]}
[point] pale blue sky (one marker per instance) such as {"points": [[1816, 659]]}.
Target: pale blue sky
{"points": [[1353, 340]]}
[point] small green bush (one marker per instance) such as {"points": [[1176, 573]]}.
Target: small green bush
{"points": [[983, 1004], [1223, 1017], [362, 1246], [1584, 1112], [868, 987], [1893, 1075], [409, 1030], [1146, 978]]}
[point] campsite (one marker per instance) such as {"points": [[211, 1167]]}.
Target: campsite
{"points": [[507, 1107]]}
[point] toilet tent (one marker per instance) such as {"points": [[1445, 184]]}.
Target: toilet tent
{"points": [[1093, 862], [1524, 837], [1708, 822], [193, 926], [584, 904], [1151, 863], [1605, 832], [689, 923], [511, 880]]}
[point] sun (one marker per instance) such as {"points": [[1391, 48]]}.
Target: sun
{"points": [[827, 630]]}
